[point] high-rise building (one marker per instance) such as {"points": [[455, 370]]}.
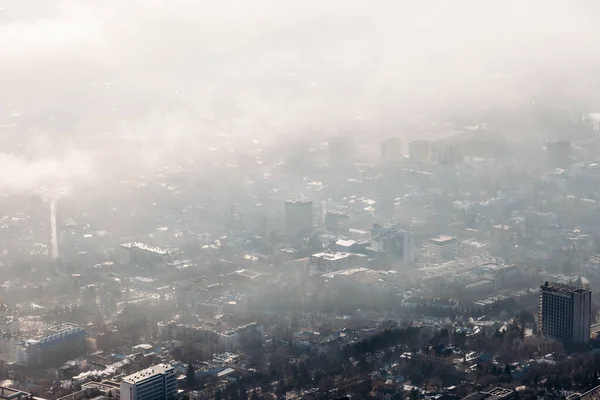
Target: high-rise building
{"points": [[298, 218], [419, 151], [391, 149], [444, 153], [443, 249], [559, 154], [565, 312], [337, 221], [155, 383], [393, 241], [62, 343], [341, 150]]}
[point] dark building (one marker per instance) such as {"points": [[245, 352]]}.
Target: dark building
{"points": [[565, 312]]}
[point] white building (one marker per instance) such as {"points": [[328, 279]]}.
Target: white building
{"points": [[443, 249], [565, 312], [155, 383], [326, 262], [64, 342], [144, 255]]}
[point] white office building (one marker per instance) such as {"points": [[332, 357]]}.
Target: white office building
{"points": [[155, 383], [326, 262], [443, 249]]}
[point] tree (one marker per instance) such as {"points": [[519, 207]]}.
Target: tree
{"points": [[190, 376], [218, 395]]}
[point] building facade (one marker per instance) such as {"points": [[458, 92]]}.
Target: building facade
{"points": [[419, 151], [393, 241], [144, 255], [341, 150], [391, 149], [298, 218], [234, 338], [565, 312], [155, 383], [62, 343], [443, 249], [326, 262], [337, 221]]}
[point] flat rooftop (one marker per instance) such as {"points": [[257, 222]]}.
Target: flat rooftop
{"points": [[146, 247], [147, 373], [293, 202], [562, 288], [443, 239], [9, 393], [332, 256], [500, 392]]}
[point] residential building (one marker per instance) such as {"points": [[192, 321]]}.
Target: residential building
{"points": [[105, 388], [62, 343], [499, 393], [419, 151], [503, 237], [393, 241], [443, 249], [144, 255], [316, 343], [337, 221], [155, 383], [341, 150], [298, 218], [559, 154], [565, 312], [234, 338], [444, 153], [391, 149], [437, 355]]}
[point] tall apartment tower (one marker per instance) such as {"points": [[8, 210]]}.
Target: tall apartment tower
{"points": [[565, 312], [341, 150], [419, 151], [155, 383], [391, 149], [559, 154], [298, 218], [393, 241]]}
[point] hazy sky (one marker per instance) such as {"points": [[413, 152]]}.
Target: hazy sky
{"points": [[276, 67]]}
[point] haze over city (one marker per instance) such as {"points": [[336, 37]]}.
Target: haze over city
{"points": [[282, 199]]}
